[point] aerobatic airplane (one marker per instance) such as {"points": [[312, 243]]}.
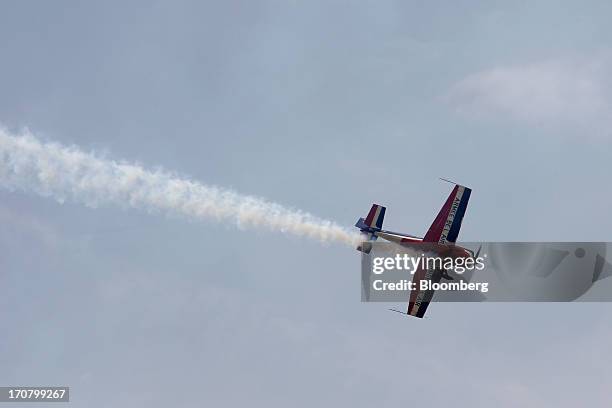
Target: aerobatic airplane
{"points": [[440, 239]]}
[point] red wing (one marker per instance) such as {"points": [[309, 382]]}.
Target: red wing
{"points": [[445, 227], [419, 299]]}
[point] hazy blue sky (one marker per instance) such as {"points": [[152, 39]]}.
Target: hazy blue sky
{"points": [[326, 107]]}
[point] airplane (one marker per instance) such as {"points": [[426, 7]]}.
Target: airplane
{"points": [[440, 238]]}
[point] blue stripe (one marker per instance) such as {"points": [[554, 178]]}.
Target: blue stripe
{"points": [[381, 217], [454, 230]]}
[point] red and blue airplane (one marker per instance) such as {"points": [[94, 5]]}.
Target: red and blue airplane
{"points": [[440, 238]]}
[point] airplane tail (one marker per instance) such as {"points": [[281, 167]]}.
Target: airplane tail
{"points": [[370, 225]]}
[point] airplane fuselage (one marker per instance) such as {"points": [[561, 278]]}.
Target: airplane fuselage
{"points": [[448, 249]]}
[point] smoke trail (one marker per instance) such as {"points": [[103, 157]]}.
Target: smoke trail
{"points": [[67, 173]]}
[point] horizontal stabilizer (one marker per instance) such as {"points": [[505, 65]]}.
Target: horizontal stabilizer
{"points": [[370, 226]]}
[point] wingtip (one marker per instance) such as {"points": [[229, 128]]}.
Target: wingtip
{"points": [[453, 182]]}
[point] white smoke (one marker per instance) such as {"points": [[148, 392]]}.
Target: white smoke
{"points": [[67, 173]]}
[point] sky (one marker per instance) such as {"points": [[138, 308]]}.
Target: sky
{"points": [[324, 107]]}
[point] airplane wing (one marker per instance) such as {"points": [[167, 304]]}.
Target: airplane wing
{"points": [[445, 228], [419, 299]]}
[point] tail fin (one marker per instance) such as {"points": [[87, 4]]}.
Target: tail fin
{"points": [[369, 225], [374, 220]]}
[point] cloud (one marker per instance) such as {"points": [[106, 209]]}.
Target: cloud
{"points": [[554, 93]]}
